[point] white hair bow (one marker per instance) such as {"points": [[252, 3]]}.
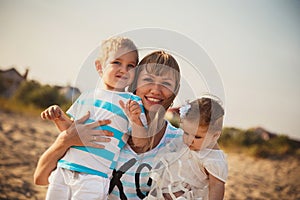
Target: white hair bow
{"points": [[184, 109]]}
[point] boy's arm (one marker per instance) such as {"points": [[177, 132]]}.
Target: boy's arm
{"points": [[58, 116], [216, 188], [139, 132]]}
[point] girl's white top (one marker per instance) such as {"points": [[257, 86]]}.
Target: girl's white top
{"points": [[185, 170]]}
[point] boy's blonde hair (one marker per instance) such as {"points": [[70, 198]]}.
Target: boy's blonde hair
{"points": [[208, 112], [113, 44]]}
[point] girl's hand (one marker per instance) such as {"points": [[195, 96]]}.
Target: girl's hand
{"points": [[132, 109], [80, 134], [52, 113]]}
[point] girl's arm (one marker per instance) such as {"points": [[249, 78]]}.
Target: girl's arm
{"points": [[216, 188], [78, 134]]}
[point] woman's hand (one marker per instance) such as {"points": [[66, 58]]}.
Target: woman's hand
{"points": [[77, 134]]}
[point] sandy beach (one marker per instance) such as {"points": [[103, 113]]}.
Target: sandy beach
{"points": [[24, 139]]}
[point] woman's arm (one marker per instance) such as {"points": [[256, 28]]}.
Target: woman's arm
{"points": [[47, 162], [78, 134], [216, 188]]}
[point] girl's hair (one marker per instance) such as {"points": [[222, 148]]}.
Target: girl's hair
{"points": [[113, 44], [158, 63], [206, 111]]}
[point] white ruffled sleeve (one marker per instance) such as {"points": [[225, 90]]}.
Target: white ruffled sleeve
{"points": [[216, 165]]}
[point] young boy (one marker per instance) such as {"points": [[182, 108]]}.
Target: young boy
{"points": [[84, 172], [199, 169]]}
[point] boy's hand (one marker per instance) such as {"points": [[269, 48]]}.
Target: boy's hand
{"points": [[132, 109], [52, 113]]}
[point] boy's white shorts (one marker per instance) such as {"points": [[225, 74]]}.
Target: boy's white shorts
{"points": [[67, 184]]}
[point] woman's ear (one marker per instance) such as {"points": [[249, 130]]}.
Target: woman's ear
{"points": [[98, 67]]}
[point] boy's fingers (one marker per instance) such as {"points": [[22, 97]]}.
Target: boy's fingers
{"points": [[57, 114], [43, 115], [122, 104]]}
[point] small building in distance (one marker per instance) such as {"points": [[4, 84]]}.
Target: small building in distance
{"points": [[10, 81], [69, 92]]}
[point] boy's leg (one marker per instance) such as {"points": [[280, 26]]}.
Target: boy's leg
{"points": [[58, 189], [89, 186]]}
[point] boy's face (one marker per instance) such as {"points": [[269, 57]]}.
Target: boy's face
{"points": [[196, 137], [118, 70]]}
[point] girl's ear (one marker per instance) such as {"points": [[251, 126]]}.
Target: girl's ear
{"points": [[98, 67], [217, 135]]}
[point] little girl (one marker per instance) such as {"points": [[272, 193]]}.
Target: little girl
{"points": [[198, 170]]}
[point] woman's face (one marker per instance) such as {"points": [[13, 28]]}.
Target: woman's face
{"points": [[156, 90]]}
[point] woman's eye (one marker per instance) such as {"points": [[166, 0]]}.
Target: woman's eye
{"points": [[147, 80], [167, 84], [116, 62]]}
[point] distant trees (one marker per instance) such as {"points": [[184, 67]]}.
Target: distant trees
{"points": [[254, 143], [2, 86], [40, 96]]}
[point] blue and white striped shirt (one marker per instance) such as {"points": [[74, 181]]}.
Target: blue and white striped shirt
{"points": [[134, 169], [102, 104]]}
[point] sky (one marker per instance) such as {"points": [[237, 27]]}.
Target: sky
{"points": [[254, 46]]}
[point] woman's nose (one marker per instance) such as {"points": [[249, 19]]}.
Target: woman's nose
{"points": [[156, 87], [155, 91]]}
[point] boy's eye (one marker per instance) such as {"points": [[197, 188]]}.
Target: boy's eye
{"points": [[131, 66]]}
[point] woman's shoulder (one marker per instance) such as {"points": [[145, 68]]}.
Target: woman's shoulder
{"points": [[173, 131], [173, 135]]}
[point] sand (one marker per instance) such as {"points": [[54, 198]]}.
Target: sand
{"points": [[24, 139]]}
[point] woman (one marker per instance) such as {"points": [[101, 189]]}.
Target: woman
{"points": [[157, 83]]}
